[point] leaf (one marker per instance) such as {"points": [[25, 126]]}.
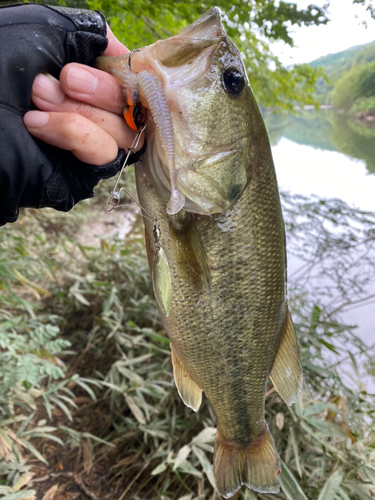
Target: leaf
{"points": [[88, 435], [315, 408], [48, 436], [181, 456], [289, 484], [333, 450], [24, 424], [84, 386], [36, 288], [370, 473], [50, 494], [354, 363], [343, 494], [360, 490], [206, 436], [63, 407], [331, 487], [22, 481], [327, 428], [188, 468], [328, 345], [81, 299], [7, 441], [21, 495], [38, 430], [33, 450], [315, 368], [47, 406], [206, 464], [295, 450], [138, 360], [134, 408], [159, 469]]}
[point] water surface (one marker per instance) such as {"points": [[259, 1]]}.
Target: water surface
{"points": [[326, 155]]}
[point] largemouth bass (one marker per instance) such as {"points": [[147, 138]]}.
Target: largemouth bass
{"points": [[216, 243]]}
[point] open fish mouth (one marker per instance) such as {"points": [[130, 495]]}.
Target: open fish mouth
{"points": [[177, 63]]}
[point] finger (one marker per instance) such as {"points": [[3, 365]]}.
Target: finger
{"points": [[75, 133], [114, 48], [47, 95], [93, 86]]}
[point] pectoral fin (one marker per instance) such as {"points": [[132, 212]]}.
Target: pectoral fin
{"points": [[192, 258], [189, 391], [286, 373], [162, 281]]}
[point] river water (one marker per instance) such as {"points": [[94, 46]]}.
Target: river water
{"points": [[323, 154]]}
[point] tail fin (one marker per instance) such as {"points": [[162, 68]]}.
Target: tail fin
{"points": [[255, 465]]}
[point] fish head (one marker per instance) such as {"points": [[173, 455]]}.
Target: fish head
{"points": [[212, 109], [213, 113]]}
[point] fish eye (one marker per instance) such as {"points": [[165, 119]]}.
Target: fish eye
{"points": [[233, 81]]}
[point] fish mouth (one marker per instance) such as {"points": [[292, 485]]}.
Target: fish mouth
{"points": [[175, 62], [192, 47], [208, 26]]}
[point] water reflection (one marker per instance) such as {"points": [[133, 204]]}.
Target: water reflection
{"points": [[326, 130], [324, 154]]}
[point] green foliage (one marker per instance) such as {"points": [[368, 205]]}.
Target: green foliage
{"points": [[368, 4], [358, 83], [251, 24], [345, 79], [363, 106], [102, 289], [33, 374]]}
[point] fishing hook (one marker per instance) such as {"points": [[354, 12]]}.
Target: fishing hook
{"points": [[130, 56], [115, 197]]}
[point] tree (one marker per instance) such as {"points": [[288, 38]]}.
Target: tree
{"points": [[354, 86], [252, 24]]}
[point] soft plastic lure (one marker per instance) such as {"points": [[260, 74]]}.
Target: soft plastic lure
{"points": [[153, 92]]}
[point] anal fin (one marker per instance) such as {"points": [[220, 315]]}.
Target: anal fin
{"points": [[189, 391], [286, 373], [255, 465]]}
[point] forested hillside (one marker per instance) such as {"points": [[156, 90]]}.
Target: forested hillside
{"points": [[350, 83]]}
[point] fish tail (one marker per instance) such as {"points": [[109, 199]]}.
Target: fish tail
{"points": [[255, 465]]}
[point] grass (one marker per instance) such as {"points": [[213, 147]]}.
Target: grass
{"points": [[87, 400]]}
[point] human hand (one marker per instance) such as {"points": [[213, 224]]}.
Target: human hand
{"points": [[82, 112], [36, 39]]}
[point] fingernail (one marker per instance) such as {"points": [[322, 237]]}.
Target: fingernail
{"points": [[35, 119], [81, 81], [48, 88]]}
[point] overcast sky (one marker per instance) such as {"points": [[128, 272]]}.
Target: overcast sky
{"points": [[343, 31]]}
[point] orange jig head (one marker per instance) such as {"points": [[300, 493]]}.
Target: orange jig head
{"points": [[135, 116]]}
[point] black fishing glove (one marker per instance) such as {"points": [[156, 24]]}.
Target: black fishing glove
{"points": [[38, 39]]}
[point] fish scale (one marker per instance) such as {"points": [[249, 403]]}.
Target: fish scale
{"points": [[243, 283], [224, 302]]}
